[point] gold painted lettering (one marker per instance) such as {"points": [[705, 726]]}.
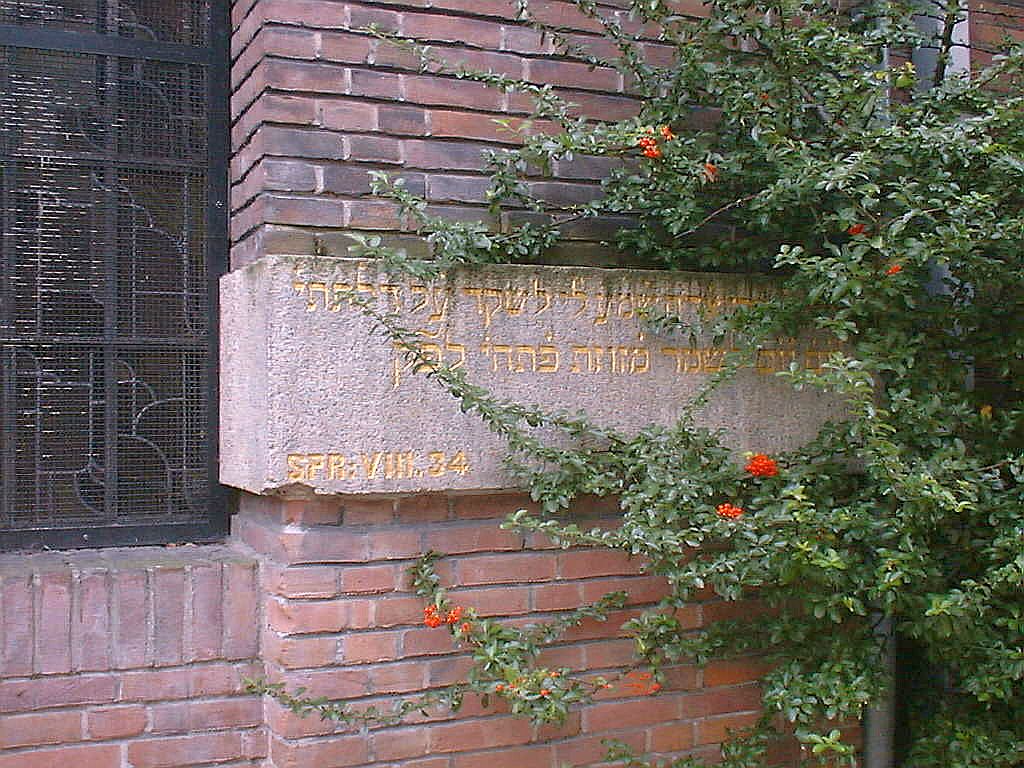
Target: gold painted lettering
{"points": [[371, 464], [547, 358], [315, 465], [296, 467], [437, 463], [541, 294], [578, 294], [335, 466]]}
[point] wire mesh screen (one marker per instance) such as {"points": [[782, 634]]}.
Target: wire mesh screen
{"points": [[105, 313], [175, 21]]}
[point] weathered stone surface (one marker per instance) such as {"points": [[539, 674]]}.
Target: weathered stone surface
{"points": [[314, 397]]}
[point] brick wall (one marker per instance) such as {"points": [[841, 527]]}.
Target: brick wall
{"points": [[341, 620], [316, 105], [128, 659]]}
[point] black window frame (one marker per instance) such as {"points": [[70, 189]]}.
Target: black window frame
{"points": [[215, 57]]}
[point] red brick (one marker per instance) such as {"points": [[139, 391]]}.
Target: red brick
{"points": [[591, 749], [153, 685], [115, 722], [417, 642], [375, 85], [732, 671], [465, 189], [719, 701], [39, 693], [395, 611], [493, 506], [369, 512], [300, 652], [369, 214], [471, 125], [570, 656], [424, 508], [322, 753], [205, 610], [90, 623], [592, 629], [557, 597], [377, 149], [295, 617], [572, 726], [370, 578], [449, 155], [361, 16], [294, 142], [310, 581], [609, 653], [17, 621], [193, 716], [538, 756], [639, 590], [681, 678], [287, 725], [479, 734], [330, 544], [729, 610], [499, 569], [309, 77], [716, 730], [335, 683], [346, 48], [496, 601], [626, 714], [526, 40], [450, 92], [448, 670], [347, 115], [87, 756], [168, 586], [38, 729], [240, 610], [357, 648], [566, 15], [452, 29], [674, 737], [295, 176], [401, 677], [399, 743], [53, 652], [584, 563], [472, 537], [180, 751], [218, 679]]}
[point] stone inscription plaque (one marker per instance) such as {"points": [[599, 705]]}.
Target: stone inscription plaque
{"points": [[313, 396]]}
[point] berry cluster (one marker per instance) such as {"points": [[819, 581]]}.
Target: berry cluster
{"points": [[649, 142], [729, 511], [433, 618], [762, 466]]}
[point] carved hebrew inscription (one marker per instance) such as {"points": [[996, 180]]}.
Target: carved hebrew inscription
{"points": [[339, 408]]}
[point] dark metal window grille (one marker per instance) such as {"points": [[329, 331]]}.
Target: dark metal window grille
{"points": [[113, 156]]}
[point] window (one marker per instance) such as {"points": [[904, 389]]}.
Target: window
{"points": [[113, 153]]}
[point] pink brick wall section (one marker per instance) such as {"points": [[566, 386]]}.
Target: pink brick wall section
{"points": [[339, 619], [129, 659], [317, 103]]}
